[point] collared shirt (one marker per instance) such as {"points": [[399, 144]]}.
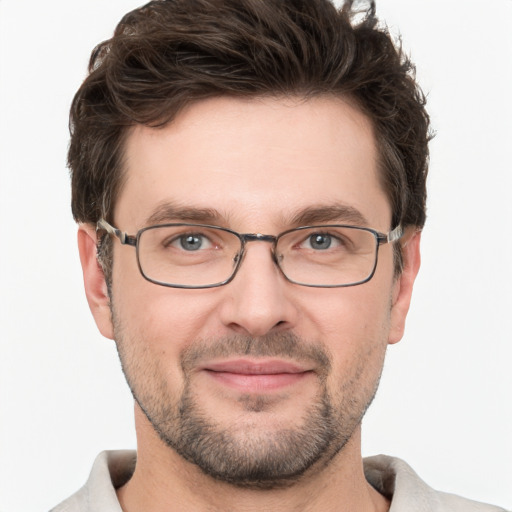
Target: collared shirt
{"points": [[392, 477]]}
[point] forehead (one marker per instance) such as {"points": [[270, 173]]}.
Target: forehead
{"points": [[263, 159]]}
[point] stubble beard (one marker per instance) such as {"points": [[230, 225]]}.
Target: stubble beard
{"points": [[246, 455]]}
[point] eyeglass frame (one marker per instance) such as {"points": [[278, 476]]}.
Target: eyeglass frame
{"points": [[133, 240]]}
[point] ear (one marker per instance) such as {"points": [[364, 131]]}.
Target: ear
{"points": [[94, 280], [402, 288]]}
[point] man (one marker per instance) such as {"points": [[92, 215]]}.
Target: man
{"points": [[249, 179]]}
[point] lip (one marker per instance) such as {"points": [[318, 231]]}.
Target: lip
{"points": [[255, 366], [256, 375]]}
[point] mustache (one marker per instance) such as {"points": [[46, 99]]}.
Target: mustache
{"points": [[283, 345]]}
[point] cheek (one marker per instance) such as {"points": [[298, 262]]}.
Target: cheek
{"points": [[350, 314], [354, 324], [358, 343], [166, 319]]}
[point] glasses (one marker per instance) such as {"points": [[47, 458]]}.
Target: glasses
{"points": [[202, 256]]}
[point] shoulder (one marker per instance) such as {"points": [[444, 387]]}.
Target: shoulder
{"points": [[396, 480], [110, 470], [75, 503]]}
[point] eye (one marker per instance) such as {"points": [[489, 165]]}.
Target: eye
{"points": [[191, 242], [321, 242]]}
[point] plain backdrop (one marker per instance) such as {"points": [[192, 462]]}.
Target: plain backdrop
{"points": [[445, 400]]}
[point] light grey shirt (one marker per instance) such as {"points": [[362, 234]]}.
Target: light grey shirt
{"points": [[390, 476]]}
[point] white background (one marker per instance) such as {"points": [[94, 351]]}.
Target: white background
{"points": [[445, 401]]}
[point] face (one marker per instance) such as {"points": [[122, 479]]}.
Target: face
{"points": [[260, 380]]}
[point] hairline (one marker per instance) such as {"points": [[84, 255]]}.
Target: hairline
{"points": [[379, 140], [108, 210]]}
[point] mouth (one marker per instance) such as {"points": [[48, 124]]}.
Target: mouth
{"points": [[256, 375]]}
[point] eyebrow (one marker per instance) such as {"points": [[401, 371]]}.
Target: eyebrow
{"points": [[169, 211], [330, 213], [311, 215]]}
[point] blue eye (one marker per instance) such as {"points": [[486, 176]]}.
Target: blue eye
{"points": [[320, 241], [192, 242]]}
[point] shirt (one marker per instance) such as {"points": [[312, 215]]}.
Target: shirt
{"points": [[390, 476]]}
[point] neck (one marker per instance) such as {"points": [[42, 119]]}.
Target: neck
{"points": [[164, 481]]}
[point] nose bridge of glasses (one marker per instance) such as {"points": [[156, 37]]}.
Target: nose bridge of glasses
{"points": [[258, 237]]}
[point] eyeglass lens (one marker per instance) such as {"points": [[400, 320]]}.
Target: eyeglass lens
{"points": [[199, 256]]}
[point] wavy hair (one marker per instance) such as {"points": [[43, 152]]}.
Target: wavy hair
{"points": [[170, 53]]}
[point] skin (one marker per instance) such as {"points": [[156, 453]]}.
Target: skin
{"points": [[257, 163]]}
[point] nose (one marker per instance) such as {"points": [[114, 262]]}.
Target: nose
{"points": [[259, 300]]}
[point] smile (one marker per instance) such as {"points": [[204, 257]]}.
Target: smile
{"points": [[256, 376]]}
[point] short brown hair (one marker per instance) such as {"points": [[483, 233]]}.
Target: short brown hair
{"points": [[170, 53]]}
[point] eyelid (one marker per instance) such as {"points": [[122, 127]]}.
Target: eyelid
{"points": [[335, 240], [175, 238], [302, 237]]}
